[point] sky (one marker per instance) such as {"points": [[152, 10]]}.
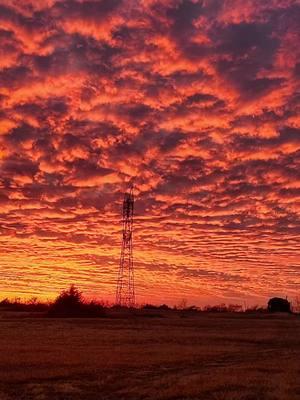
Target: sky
{"points": [[195, 102]]}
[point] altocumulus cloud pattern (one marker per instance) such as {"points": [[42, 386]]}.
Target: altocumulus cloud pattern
{"points": [[198, 101]]}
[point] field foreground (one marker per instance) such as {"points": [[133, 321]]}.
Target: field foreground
{"points": [[207, 356]]}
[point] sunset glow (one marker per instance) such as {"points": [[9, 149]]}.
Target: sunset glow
{"points": [[195, 102]]}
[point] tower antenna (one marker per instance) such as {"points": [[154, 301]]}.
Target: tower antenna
{"points": [[125, 295]]}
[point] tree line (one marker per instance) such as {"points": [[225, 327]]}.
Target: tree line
{"points": [[71, 303]]}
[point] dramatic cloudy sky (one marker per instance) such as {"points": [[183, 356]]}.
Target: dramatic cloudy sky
{"points": [[197, 101]]}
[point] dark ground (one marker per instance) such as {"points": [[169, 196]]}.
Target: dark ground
{"points": [[204, 356]]}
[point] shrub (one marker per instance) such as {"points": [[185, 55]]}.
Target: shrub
{"points": [[218, 308], [255, 309], [149, 307], [17, 305], [235, 308], [164, 307]]}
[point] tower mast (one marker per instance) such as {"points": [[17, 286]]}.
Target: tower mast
{"points": [[125, 295]]}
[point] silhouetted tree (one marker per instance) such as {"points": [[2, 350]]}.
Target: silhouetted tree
{"points": [[70, 303], [277, 304], [5, 303], [182, 304]]}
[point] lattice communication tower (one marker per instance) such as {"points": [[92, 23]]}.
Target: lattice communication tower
{"points": [[125, 295]]}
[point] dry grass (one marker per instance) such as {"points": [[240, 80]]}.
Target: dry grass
{"points": [[217, 357]]}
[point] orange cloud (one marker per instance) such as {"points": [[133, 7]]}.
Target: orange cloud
{"points": [[197, 103]]}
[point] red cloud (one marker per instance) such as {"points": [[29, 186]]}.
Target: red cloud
{"points": [[196, 102]]}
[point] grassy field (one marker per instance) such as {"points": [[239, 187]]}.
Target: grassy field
{"points": [[207, 356]]}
